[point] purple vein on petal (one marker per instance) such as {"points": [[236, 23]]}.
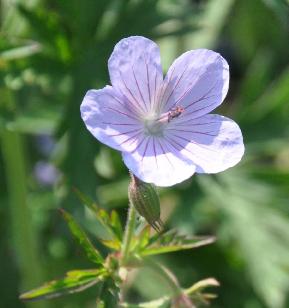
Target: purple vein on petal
{"points": [[199, 100], [148, 82], [155, 154], [183, 123], [196, 110], [124, 133], [170, 140], [155, 92], [191, 131], [145, 150], [195, 143], [161, 146], [120, 112], [120, 124], [139, 144], [134, 110], [174, 87], [164, 89], [130, 92], [190, 152], [132, 138], [139, 89]]}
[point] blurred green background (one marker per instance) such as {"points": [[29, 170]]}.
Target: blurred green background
{"points": [[51, 53]]}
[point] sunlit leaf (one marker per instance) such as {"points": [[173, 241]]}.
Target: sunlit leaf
{"points": [[92, 254], [172, 241], [202, 284], [112, 244], [74, 281], [142, 240]]}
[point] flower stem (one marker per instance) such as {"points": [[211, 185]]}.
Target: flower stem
{"points": [[129, 230]]}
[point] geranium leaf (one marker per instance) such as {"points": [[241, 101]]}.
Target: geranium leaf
{"points": [[116, 224], [91, 252], [142, 239], [74, 281], [172, 241], [112, 244], [110, 222]]}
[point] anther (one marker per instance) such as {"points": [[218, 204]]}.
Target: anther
{"points": [[175, 112]]}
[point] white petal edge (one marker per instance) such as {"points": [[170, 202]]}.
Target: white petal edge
{"points": [[110, 119], [135, 71], [213, 143], [198, 80]]}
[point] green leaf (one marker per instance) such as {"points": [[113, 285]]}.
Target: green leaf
{"points": [[110, 295], [74, 281], [20, 52], [172, 241], [112, 244], [92, 254], [143, 238], [151, 304], [110, 222]]}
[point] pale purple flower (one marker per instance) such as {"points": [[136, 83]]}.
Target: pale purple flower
{"points": [[162, 126], [45, 173]]}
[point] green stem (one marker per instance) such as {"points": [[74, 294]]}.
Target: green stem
{"points": [[129, 230], [166, 275], [23, 233]]}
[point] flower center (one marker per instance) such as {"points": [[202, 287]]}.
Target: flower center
{"points": [[154, 125]]}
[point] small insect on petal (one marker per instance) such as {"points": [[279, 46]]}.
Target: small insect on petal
{"points": [[175, 112], [145, 199]]}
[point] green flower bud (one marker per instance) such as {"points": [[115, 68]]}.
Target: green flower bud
{"points": [[145, 199]]}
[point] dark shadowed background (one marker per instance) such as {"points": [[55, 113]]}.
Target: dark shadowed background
{"points": [[51, 53]]}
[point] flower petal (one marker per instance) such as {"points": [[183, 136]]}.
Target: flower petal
{"points": [[198, 81], [135, 71], [110, 119], [212, 142], [156, 161]]}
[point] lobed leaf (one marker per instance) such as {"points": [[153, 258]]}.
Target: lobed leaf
{"points": [[110, 222], [91, 252], [171, 241], [74, 281]]}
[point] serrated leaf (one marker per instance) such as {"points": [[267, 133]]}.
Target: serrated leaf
{"points": [[110, 222], [142, 239], [172, 241], [112, 244], [91, 252], [74, 281], [116, 224]]}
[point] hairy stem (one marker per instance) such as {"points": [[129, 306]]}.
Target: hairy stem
{"points": [[129, 230]]}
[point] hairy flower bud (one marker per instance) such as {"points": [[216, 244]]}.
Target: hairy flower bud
{"points": [[145, 199]]}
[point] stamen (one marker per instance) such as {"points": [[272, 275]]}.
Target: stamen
{"points": [[171, 114], [155, 126], [175, 112]]}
